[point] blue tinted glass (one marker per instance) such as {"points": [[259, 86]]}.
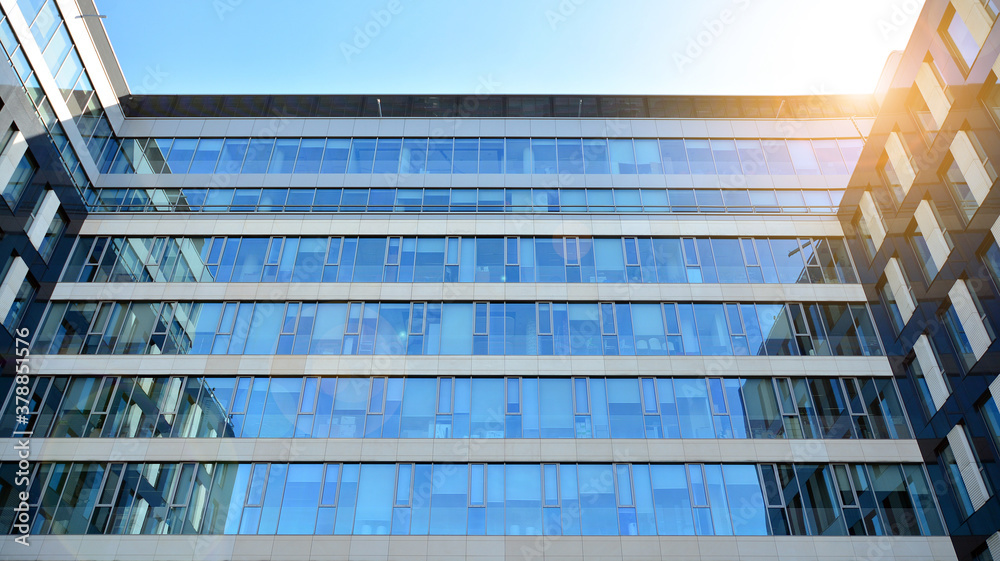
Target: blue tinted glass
{"points": [[233, 152], [598, 507], [335, 155], [491, 155], [622, 156], [518, 152], [258, 155], [699, 156], [414, 156], [362, 155], [595, 155], [625, 409], [249, 261], [373, 514], [466, 155], [523, 500], [387, 155], [180, 154], [647, 156], [310, 155], [673, 156], [206, 155], [299, 506], [727, 161], [543, 155], [283, 157], [449, 499], [439, 155], [570, 152]]}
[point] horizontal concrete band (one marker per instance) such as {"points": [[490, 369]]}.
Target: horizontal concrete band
{"points": [[441, 365], [488, 180], [326, 224], [478, 548], [459, 292], [280, 126], [476, 450]]}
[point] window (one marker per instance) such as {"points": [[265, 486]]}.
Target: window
{"points": [[964, 199], [959, 39], [956, 331], [23, 173], [52, 235], [24, 296], [922, 252]]}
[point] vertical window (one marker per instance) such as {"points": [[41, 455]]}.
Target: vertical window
{"points": [[959, 39], [923, 252], [25, 293], [23, 173]]}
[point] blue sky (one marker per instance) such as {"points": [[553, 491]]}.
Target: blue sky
{"points": [[506, 47]]}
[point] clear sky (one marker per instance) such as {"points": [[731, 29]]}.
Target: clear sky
{"points": [[506, 46]]}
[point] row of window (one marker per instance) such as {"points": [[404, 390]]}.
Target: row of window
{"points": [[478, 499], [458, 328], [467, 199], [485, 155], [460, 259], [65, 66], [446, 407]]}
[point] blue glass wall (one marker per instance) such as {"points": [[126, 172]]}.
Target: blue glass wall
{"points": [[472, 328], [483, 155], [479, 499], [460, 259], [445, 407]]}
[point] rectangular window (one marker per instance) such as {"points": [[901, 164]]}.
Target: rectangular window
{"points": [[956, 35], [22, 176]]}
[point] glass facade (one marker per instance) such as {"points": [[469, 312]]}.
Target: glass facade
{"points": [[446, 407], [460, 259], [471, 328], [469, 199], [480, 499], [251, 245], [484, 156]]}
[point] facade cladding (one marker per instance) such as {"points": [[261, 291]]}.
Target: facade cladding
{"points": [[488, 327]]}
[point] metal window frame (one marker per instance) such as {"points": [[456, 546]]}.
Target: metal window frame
{"points": [[485, 489], [330, 253], [558, 485], [614, 318], [423, 318], [725, 398], [539, 315], [395, 486], [635, 246], [642, 396], [575, 242], [246, 402], [451, 397], [475, 314], [263, 488], [371, 393], [507, 258], [586, 388], [506, 393], [302, 396], [448, 241], [690, 485], [336, 491]]}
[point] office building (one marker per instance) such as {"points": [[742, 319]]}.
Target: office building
{"points": [[496, 326]]}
